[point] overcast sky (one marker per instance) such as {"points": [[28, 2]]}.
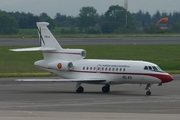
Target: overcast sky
{"points": [[72, 7]]}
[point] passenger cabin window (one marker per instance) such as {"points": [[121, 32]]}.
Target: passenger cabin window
{"points": [[94, 68], [98, 68], [83, 68], [102, 68]]}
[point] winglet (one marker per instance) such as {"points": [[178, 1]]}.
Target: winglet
{"points": [[41, 24]]}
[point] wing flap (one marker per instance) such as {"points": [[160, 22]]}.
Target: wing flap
{"points": [[62, 80], [34, 49]]}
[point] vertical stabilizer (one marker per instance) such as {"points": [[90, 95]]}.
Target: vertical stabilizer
{"points": [[47, 39], [52, 50], [45, 36]]}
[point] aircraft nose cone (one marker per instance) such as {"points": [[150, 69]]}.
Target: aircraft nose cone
{"points": [[166, 78]]}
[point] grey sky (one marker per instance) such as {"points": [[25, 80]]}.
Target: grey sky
{"points": [[72, 7]]}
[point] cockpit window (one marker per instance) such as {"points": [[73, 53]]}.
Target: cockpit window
{"points": [[150, 68], [159, 69], [153, 68], [145, 68]]}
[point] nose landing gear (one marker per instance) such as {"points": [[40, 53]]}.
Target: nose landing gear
{"points": [[148, 88]]}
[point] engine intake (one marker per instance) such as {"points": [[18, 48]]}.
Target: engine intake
{"points": [[61, 65]]}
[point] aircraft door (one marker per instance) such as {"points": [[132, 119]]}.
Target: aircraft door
{"points": [[98, 70]]}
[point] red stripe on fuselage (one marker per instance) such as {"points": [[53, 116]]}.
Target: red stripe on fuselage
{"points": [[163, 77]]}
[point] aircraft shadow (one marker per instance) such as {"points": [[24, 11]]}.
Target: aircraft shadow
{"points": [[111, 93]]}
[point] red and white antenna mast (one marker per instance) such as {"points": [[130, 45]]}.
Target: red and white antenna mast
{"points": [[126, 5]]}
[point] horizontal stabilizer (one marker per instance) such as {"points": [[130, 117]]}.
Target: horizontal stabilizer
{"points": [[62, 80], [34, 49]]}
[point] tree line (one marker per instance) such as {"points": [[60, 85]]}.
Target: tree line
{"points": [[89, 21]]}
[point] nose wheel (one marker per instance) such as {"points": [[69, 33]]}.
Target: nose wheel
{"points": [[148, 88], [148, 93]]}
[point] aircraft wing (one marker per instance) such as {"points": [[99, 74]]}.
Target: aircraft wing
{"points": [[91, 80], [34, 49]]}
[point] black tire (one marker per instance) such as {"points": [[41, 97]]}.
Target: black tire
{"points": [[80, 90], [105, 89], [148, 93]]}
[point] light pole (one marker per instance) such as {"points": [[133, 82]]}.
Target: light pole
{"points": [[126, 8]]}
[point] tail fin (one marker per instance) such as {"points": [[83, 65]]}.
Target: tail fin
{"points": [[45, 36], [51, 49], [47, 40]]}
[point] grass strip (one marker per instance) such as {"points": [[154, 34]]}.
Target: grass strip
{"points": [[20, 64], [7, 75]]}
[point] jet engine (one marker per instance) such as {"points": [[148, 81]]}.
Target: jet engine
{"points": [[61, 65], [72, 54]]}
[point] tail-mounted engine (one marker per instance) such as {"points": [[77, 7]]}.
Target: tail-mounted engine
{"points": [[72, 54], [61, 65]]}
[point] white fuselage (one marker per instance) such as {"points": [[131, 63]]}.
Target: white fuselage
{"points": [[114, 71]]}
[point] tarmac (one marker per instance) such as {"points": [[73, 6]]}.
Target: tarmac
{"points": [[92, 41], [43, 101]]}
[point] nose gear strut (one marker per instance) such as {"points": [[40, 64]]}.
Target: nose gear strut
{"points": [[148, 88]]}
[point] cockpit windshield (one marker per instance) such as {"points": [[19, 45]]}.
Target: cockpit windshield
{"points": [[153, 68]]}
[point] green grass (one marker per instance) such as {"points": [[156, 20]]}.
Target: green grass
{"points": [[27, 31], [32, 33], [21, 63], [38, 74]]}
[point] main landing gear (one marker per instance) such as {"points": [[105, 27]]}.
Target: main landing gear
{"points": [[106, 88], [148, 88], [79, 88]]}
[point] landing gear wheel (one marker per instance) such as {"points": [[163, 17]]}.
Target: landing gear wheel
{"points": [[148, 87], [148, 93], [80, 90], [106, 89]]}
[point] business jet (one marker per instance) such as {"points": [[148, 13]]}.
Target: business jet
{"points": [[70, 65]]}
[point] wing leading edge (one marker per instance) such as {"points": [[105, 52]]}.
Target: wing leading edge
{"points": [[62, 80], [34, 49]]}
